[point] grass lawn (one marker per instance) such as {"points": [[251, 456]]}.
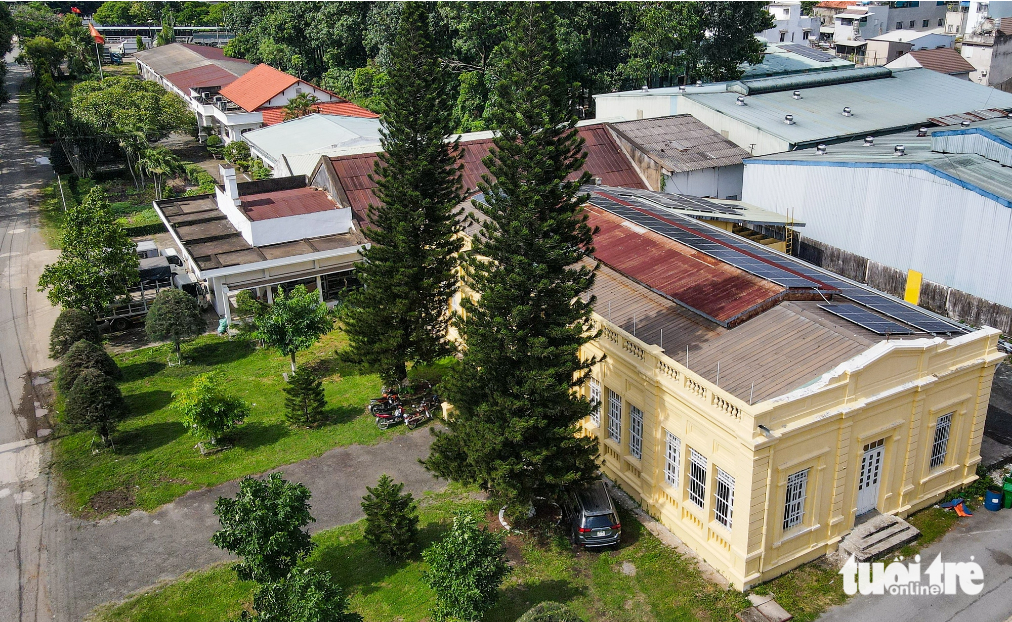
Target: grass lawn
{"points": [[155, 460]]}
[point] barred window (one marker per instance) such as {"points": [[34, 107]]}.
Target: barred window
{"points": [[941, 443], [723, 498], [674, 459], [697, 478], [794, 504], [635, 432], [614, 416], [595, 401]]}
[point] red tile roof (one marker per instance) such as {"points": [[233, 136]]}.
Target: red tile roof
{"points": [[836, 4], [942, 60], [257, 87], [273, 116], [280, 203], [205, 75], [702, 283], [605, 159]]}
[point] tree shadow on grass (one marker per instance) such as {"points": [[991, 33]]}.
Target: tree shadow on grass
{"points": [[138, 371], [517, 599], [148, 402], [256, 435], [218, 351], [343, 414], [148, 437]]}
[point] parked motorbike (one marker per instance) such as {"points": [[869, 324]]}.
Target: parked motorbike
{"points": [[386, 403], [386, 419], [419, 416]]}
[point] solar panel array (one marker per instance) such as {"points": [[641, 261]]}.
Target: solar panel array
{"points": [[867, 319], [808, 52], [778, 268], [673, 201]]}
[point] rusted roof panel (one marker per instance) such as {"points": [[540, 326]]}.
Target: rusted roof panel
{"points": [[203, 76], [681, 143], [942, 60], [975, 115], [277, 204], [702, 283]]}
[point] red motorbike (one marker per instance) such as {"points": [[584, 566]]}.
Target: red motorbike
{"points": [[386, 419]]}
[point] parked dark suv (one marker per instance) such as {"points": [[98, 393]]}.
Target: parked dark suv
{"points": [[591, 517]]}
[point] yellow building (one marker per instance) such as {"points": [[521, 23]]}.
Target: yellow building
{"points": [[756, 405]]}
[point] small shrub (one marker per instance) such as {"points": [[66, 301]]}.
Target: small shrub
{"points": [[95, 402], [391, 519], [259, 170], [81, 356], [72, 326], [549, 612], [237, 152], [215, 145], [174, 315], [207, 412], [466, 569], [304, 399], [306, 595]]}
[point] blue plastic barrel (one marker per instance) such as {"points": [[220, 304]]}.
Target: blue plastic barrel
{"points": [[992, 500]]}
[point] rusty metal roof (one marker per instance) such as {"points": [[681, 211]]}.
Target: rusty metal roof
{"points": [[292, 202], [176, 57], [206, 75], [708, 286], [942, 60], [605, 159], [681, 143]]}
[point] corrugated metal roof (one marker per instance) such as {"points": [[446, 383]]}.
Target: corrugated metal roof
{"points": [[681, 143], [605, 159], [257, 87], [942, 60], [292, 202], [176, 57], [315, 132], [203, 76], [971, 116], [273, 116], [702, 283], [908, 98]]}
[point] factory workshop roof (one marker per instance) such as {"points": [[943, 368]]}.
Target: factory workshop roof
{"points": [[681, 143]]}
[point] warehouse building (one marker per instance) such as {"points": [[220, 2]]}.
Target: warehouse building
{"points": [[928, 217]]}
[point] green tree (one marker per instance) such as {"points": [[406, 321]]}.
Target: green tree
{"points": [[466, 569], [549, 612], [98, 260], [167, 34], [81, 356], [95, 402], [305, 402], [140, 43], [206, 410], [71, 326], [35, 19], [301, 105], [114, 14], [516, 409], [409, 272], [6, 45], [175, 316], [391, 518], [305, 595], [237, 152], [214, 145], [264, 525], [258, 170], [161, 164], [294, 322]]}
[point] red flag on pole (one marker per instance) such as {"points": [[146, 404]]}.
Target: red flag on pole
{"points": [[99, 39], [75, 10]]}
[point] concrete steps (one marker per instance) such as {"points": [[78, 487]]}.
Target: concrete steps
{"points": [[877, 536]]}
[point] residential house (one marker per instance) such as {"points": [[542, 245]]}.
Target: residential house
{"points": [[791, 26], [826, 11], [317, 134], [988, 47], [156, 64], [854, 26], [885, 48], [943, 60]]}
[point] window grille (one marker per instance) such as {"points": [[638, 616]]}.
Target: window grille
{"points": [[941, 443], [635, 432], [794, 504], [697, 478], [723, 498], [614, 416], [674, 459], [595, 401]]}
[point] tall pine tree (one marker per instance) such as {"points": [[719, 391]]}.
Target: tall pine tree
{"points": [[516, 410], [409, 273]]}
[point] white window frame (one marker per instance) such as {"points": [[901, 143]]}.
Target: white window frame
{"points": [[697, 478], [614, 416], [940, 445], [595, 401], [723, 498], [794, 500], [674, 459], [635, 432]]}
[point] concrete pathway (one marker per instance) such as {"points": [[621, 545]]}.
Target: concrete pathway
{"points": [[92, 563]]}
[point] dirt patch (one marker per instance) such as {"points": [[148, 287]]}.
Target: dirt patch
{"points": [[111, 501]]}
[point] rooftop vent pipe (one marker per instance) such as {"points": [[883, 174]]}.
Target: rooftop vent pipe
{"points": [[964, 124], [922, 132], [645, 88], [847, 112], [796, 95], [820, 150], [699, 83], [899, 150], [789, 119], [740, 101], [681, 88], [869, 141]]}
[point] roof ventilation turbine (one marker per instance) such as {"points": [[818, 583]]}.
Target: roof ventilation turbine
{"points": [[789, 119], [699, 83], [645, 88], [796, 94], [847, 112], [820, 150], [899, 150], [740, 101], [681, 88], [964, 124], [922, 132], [869, 141]]}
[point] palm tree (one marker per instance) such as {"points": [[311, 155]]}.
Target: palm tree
{"points": [[161, 164], [301, 105]]}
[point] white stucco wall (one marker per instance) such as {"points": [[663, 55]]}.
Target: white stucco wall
{"points": [[288, 228], [291, 92]]}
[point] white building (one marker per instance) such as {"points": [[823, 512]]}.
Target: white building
{"points": [[856, 25], [944, 60], [884, 49], [988, 47], [930, 220], [791, 26], [320, 134]]}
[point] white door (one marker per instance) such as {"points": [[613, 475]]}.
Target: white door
{"points": [[871, 470]]}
